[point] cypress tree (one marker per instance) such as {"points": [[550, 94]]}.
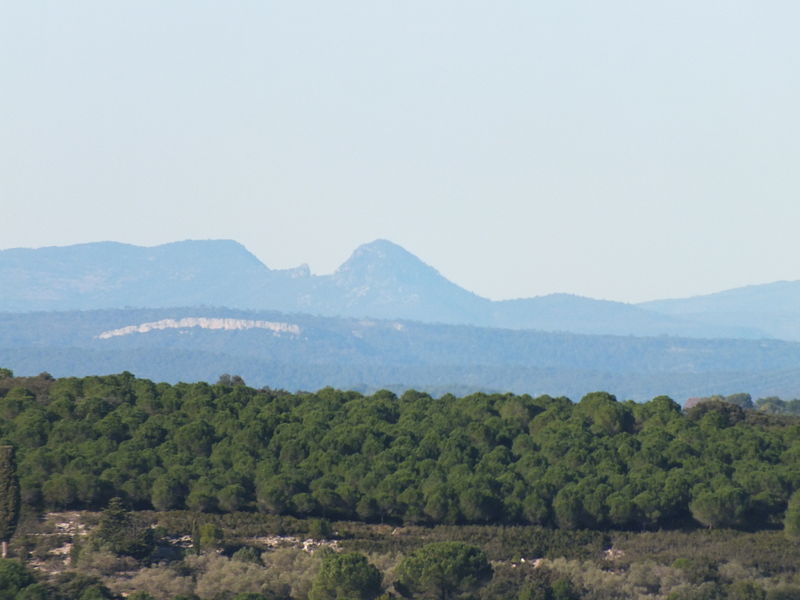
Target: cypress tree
{"points": [[9, 496], [791, 522]]}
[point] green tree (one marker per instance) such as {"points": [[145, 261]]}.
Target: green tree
{"points": [[745, 590], [564, 590], [742, 400], [604, 414], [720, 507], [791, 522], [346, 576], [121, 533], [716, 414], [568, 508], [231, 498], [167, 492], [15, 402], [202, 497], [81, 587], [621, 508], [535, 508], [228, 380], [14, 577], [9, 496], [209, 537], [444, 570], [319, 529]]}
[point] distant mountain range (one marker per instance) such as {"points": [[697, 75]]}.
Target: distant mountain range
{"points": [[772, 309], [295, 351], [380, 280], [193, 310]]}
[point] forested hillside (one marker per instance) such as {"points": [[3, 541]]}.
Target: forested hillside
{"points": [[502, 459], [304, 352]]}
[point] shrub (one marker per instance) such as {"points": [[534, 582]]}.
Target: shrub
{"points": [[346, 576]]}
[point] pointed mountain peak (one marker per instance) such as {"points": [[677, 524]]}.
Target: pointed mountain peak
{"points": [[382, 248], [382, 257], [384, 280]]}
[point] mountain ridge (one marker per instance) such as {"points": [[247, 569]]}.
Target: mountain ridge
{"points": [[380, 279], [296, 351]]}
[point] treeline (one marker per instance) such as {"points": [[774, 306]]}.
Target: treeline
{"points": [[413, 459], [771, 405], [776, 406]]}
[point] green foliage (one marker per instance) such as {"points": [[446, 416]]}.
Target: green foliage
{"points": [[346, 577], [37, 591], [209, 537], [766, 553], [71, 585], [232, 498], [140, 596], [719, 507], [745, 590], [248, 554], [791, 522], [698, 570], [604, 414], [167, 492], [564, 590], [14, 577], [777, 406], [786, 592], [716, 413], [9, 494], [229, 380], [121, 532], [444, 570], [717, 563], [742, 400], [500, 459], [320, 529]]}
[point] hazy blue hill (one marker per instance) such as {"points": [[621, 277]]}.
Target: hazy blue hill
{"points": [[110, 274], [773, 308], [380, 280], [369, 354], [566, 312], [383, 280], [780, 296]]}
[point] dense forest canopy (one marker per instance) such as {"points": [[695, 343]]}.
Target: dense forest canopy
{"points": [[413, 459]]}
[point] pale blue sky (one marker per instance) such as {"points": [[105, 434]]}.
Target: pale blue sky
{"points": [[626, 150]]}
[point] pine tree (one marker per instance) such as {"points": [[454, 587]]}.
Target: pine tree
{"points": [[121, 533], [9, 496]]}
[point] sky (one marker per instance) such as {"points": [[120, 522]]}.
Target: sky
{"points": [[624, 150]]}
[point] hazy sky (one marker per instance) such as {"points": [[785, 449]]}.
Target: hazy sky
{"points": [[626, 150]]}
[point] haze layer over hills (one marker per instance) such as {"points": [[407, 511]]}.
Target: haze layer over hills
{"points": [[380, 280]]}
